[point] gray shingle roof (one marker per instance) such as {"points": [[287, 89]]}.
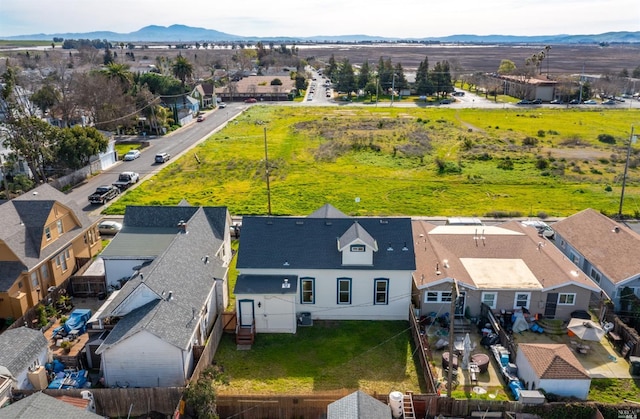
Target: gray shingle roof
{"points": [[23, 220], [20, 347], [9, 271], [327, 211], [266, 284], [182, 270], [311, 243], [42, 406], [357, 232], [358, 405]]}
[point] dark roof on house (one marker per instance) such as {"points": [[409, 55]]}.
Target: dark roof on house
{"points": [[23, 221], [553, 361], [42, 406], [20, 347], [9, 271], [312, 243], [147, 231], [358, 405], [181, 278], [611, 247], [266, 284], [327, 211]]}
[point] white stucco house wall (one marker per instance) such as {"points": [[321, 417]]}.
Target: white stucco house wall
{"points": [[337, 268]]}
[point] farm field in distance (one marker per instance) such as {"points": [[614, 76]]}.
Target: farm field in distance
{"points": [[406, 161]]}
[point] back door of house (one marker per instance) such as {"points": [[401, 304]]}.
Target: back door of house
{"points": [[246, 313], [552, 303]]}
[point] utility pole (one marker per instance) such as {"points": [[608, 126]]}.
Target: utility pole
{"points": [[4, 179], [624, 176], [266, 169], [393, 87]]}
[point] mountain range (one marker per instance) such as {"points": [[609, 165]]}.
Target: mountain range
{"points": [[183, 33]]}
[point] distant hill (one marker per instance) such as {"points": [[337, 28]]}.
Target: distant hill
{"points": [[183, 33]]}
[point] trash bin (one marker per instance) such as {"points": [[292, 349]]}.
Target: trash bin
{"points": [[634, 365]]}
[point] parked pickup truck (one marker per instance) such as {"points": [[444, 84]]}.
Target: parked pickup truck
{"points": [[126, 179], [104, 194]]}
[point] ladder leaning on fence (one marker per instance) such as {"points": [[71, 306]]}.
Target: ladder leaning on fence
{"points": [[407, 406]]}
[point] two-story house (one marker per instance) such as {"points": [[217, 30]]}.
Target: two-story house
{"points": [[327, 265], [44, 238], [148, 331]]}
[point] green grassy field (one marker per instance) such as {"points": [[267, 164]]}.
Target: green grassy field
{"points": [[406, 161], [4, 43]]}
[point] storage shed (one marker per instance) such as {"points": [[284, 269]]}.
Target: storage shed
{"points": [[554, 368]]}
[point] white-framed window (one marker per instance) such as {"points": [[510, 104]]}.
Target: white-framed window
{"points": [[307, 295], [357, 248], [522, 299], [566, 299], [381, 296], [47, 233], [574, 258], [437, 297], [595, 275], [490, 299], [59, 225], [34, 279], [344, 291]]}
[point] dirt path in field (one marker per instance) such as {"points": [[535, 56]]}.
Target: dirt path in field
{"points": [[468, 125], [576, 153]]}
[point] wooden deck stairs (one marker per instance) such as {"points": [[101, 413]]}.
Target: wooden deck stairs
{"points": [[408, 412], [246, 335]]}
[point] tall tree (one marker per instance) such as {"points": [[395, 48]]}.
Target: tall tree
{"points": [[346, 79], [120, 73], [332, 69], [33, 139], [77, 144], [182, 69], [385, 73], [506, 67], [424, 87], [441, 78], [46, 97], [400, 81], [364, 76]]}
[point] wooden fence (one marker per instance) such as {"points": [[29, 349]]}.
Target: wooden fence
{"points": [[505, 339], [627, 333], [423, 351]]}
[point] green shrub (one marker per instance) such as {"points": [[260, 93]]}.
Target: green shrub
{"points": [[541, 133], [606, 138], [530, 142], [505, 164], [542, 163], [608, 188]]}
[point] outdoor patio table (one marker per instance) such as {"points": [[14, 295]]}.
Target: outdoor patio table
{"points": [[482, 361], [445, 361]]}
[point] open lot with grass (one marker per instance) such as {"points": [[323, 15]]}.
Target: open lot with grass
{"points": [[330, 356], [405, 161]]}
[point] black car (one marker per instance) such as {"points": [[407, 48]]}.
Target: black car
{"points": [[525, 102], [574, 102], [536, 102]]}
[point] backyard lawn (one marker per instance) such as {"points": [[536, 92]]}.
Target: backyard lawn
{"points": [[329, 356], [406, 161]]}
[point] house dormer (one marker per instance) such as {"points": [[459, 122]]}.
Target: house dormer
{"points": [[357, 246]]}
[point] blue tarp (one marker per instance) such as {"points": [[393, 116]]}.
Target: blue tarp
{"points": [[78, 320]]}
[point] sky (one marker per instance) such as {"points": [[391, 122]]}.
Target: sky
{"points": [[301, 18]]}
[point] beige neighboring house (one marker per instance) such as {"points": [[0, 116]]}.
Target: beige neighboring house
{"points": [[607, 251], [44, 239], [553, 368], [507, 267], [529, 87], [257, 87]]}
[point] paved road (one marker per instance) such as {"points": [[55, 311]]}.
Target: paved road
{"points": [[175, 144]]}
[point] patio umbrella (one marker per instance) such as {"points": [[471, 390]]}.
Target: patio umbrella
{"points": [[586, 329], [467, 351]]}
